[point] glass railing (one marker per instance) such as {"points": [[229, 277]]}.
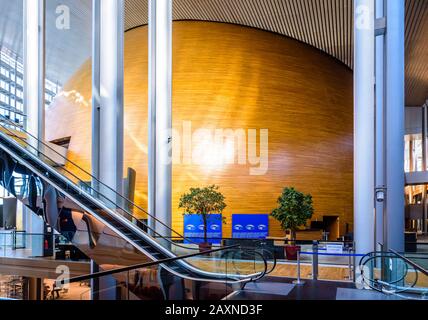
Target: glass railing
{"points": [[393, 274], [21, 244], [150, 281], [87, 191], [250, 249]]}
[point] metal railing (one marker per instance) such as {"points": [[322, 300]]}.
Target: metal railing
{"points": [[410, 262], [138, 266], [315, 262], [392, 273]]}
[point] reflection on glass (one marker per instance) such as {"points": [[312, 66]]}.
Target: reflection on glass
{"points": [[413, 153]]}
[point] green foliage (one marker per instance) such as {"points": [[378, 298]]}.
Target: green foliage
{"points": [[294, 209], [203, 201]]}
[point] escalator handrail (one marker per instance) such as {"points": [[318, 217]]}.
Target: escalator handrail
{"points": [[140, 266], [180, 236], [125, 211], [373, 282], [376, 281], [102, 205], [261, 252], [412, 263], [404, 289], [262, 274], [273, 259], [89, 175]]}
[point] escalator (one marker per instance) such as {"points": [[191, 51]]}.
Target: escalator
{"points": [[394, 274], [109, 228]]}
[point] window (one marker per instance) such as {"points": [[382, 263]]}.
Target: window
{"points": [[4, 85], [12, 85], [413, 153], [4, 72], [20, 81], [19, 94], [4, 98]]}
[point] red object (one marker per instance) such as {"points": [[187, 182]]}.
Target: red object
{"points": [[46, 244], [291, 252]]}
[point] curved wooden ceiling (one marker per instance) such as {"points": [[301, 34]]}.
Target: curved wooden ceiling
{"points": [[324, 24]]}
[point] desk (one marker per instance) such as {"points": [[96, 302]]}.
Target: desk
{"points": [[302, 235]]}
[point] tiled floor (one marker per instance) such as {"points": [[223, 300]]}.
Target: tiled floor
{"points": [[283, 289]]}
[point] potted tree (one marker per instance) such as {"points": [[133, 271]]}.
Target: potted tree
{"points": [[203, 201], [294, 209]]}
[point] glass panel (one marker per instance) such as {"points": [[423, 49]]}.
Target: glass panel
{"points": [[11, 67], [68, 73], [156, 283], [390, 274], [15, 244], [413, 153]]}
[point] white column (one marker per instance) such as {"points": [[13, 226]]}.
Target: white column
{"points": [[96, 96], [394, 82], [424, 166], [364, 144], [151, 119], [34, 69], [160, 113], [111, 72], [380, 127]]}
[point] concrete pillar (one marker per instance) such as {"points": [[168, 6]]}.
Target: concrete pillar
{"points": [[160, 114], [395, 103], [364, 123], [34, 69]]}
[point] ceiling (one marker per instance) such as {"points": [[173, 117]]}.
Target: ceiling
{"points": [[324, 24]]}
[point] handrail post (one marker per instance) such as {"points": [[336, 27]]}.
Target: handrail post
{"points": [[315, 260], [298, 282], [350, 263], [354, 261], [14, 239]]}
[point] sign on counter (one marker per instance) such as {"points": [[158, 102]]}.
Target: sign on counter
{"points": [[335, 248], [194, 228], [250, 226]]}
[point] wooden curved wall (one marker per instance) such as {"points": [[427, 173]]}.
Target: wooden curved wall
{"points": [[227, 76]]}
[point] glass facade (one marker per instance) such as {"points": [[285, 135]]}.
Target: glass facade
{"points": [[12, 88], [413, 153]]}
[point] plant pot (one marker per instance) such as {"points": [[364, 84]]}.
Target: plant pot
{"points": [[205, 246], [291, 252]]}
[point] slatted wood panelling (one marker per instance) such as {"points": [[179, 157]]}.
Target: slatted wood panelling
{"points": [[233, 77], [416, 52], [324, 24]]}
